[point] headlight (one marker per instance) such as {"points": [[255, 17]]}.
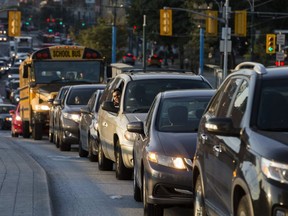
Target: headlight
{"points": [[274, 170], [173, 162], [18, 118], [130, 136], [42, 107], [74, 117], [8, 119]]}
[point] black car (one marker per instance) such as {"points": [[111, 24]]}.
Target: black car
{"points": [[240, 165], [67, 126], [88, 138], [53, 113], [5, 117], [164, 149], [129, 58]]}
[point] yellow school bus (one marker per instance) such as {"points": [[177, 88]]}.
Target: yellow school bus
{"points": [[44, 72]]}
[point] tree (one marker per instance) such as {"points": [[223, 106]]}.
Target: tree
{"points": [[99, 37]]}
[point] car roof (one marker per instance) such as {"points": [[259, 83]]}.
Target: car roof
{"points": [[188, 93], [160, 75], [87, 86]]}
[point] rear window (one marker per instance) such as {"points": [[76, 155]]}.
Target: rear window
{"points": [[80, 96], [139, 95]]}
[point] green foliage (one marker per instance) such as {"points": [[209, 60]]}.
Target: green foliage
{"points": [[100, 38]]}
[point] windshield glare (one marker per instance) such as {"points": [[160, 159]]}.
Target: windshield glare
{"points": [[47, 72]]}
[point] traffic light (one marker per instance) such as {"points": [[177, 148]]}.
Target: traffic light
{"points": [[212, 24], [241, 23], [14, 23], [165, 22], [270, 43]]}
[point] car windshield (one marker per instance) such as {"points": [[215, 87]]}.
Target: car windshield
{"points": [[189, 111], [80, 96], [140, 94], [6, 109], [273, 105], [63, 71]]}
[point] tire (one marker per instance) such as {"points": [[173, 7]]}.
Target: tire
{"points": [[122, 172], [16, 135], [26, 130], [137, 190], [92, 157], [37, 131], [1, 125], [199, 207], [56, 140], [82, 152], [150, 209], [62, 145], [103, 162], [244, 209]]}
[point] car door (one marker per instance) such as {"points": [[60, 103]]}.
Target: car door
{"points": [[222, 151], [108, 122], [86, 119]]}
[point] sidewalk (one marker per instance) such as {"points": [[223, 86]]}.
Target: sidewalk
{"points": [[23, 183]]}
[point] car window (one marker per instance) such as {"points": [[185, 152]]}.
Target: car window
{"points": [[240, 103], [273, 105], [140, 94], [6, 109], [189, 112], [91, 101], [149, 115], [79, 96], [227, 97]]}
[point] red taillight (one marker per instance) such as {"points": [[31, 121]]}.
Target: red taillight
{"points": [[279, 63], [42, 55], [88, 55], [134, 58]]}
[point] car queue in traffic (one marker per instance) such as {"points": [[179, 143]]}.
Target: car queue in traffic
{"points": [[152, 136]]}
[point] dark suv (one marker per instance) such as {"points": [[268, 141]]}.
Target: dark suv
{"points": [[241, 164], [138, 91]]}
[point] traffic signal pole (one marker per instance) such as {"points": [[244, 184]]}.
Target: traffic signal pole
{"points": [[224, 33]]}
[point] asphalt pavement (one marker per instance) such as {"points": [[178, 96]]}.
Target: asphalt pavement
{"points": [[23, 182]]}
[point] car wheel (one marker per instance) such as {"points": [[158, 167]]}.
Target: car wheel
{"points": [[122, 172], [137, 189], [150, 209], [82, 152], [26, 131], [244, 209], [92, 157], [1, 125], [37, 131], [103, 162], [199, 208], [63, 146]]}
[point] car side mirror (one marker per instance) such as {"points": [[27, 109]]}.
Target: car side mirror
{"points": [[109, 106], [136, 127], [222, 126], [85, 110], [57, 102]]}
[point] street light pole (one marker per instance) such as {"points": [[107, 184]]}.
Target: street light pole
{"points": [[225, 64], [114, 33]]}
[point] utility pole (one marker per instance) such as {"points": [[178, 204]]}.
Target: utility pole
{"points": [[144, 43], [114, 33], [226, 16]]}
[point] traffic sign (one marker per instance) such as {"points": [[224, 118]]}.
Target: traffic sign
{"points": [[280, 56], [281, 39]]}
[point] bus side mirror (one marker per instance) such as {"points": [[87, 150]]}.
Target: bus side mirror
{"points": [[25, 71]]}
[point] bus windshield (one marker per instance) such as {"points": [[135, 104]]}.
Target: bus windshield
{"points": [[67, 71]]}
